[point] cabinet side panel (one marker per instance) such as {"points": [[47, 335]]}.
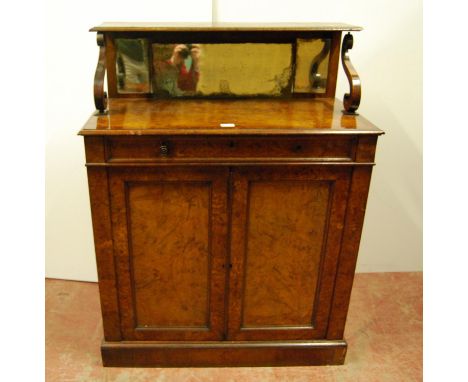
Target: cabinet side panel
{"points": [[169, 236], [286, 224], [349, 250], [102, 229]]}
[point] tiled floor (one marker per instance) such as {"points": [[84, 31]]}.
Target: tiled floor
{"points": [[384, 333]]}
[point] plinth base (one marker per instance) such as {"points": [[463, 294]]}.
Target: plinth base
{"points": [[225, 353]]}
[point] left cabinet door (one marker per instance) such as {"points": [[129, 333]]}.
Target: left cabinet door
{"points": [[170, 239]]}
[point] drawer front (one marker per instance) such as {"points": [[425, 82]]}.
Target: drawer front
{"points": [[180, 149]]}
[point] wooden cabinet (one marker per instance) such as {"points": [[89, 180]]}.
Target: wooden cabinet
{"points": [[174, 266], [225, 244]]}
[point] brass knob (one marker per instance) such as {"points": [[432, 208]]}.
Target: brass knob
{"points": [[163, 149]]}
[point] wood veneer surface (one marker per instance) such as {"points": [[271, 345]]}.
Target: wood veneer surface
{"points": [[295, 228], [249, 116], [170, 252]]}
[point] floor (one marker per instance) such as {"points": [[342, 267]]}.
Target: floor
{"points": [[384, 333]]}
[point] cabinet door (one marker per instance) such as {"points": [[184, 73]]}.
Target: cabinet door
{"points": [[286, 230], [170, 239]]}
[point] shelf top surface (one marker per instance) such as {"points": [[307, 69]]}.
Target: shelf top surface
{"points": [[226, 117], [208, 27]]}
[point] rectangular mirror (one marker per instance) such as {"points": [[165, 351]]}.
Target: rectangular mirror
{"points": [[243, 69], [132, 65], [312, 56]]}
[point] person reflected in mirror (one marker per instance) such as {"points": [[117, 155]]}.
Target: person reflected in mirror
{"points": [[185, 58], [176, 68]]}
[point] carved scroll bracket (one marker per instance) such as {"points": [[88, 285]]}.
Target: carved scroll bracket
{"points": [[352, 99], [100, 96]]}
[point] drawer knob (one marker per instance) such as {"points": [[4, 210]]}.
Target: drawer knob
{"points": [[163, 149]]}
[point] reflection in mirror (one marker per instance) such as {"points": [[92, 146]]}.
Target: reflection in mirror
{"points": [[132, 65], [312, 65], [222, 69]]}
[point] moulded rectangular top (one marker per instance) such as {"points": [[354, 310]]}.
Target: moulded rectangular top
{"points": [[226, 117], [207, 27]]}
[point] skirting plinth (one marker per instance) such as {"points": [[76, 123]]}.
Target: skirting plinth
{"points": [[225, 353]]}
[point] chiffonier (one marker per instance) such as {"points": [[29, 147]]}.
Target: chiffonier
{"points": [[228, 188]]}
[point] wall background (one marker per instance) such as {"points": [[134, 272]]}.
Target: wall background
{"points": [[387, 55]]}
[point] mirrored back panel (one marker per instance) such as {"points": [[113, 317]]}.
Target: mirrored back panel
{"points": [[132, 65], [312, 57], [222, 69], [151, 66]]}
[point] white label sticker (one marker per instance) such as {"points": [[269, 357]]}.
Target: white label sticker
{"points": [[227, 125]]}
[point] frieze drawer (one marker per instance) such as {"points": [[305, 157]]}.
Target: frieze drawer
{"points": [[151, 149]]}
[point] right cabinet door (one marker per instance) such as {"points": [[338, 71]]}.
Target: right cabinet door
{"points": [[286, 229]]}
